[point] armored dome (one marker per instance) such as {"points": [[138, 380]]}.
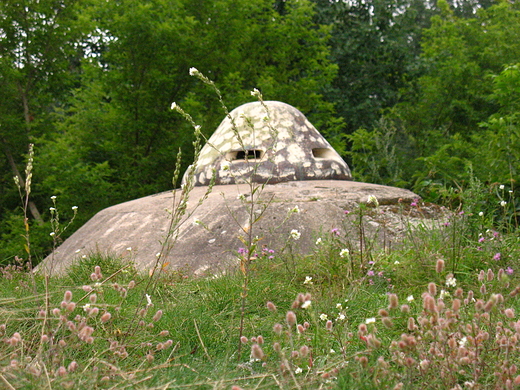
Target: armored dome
{"points": [[268, 143]]}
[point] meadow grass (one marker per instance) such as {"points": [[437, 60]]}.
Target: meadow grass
{"points": [[436, 312]]}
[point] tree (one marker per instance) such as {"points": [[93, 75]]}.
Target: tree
{"points": [[376, 45], [460, 55], [121, 113], [436, 130], [37, 63]]}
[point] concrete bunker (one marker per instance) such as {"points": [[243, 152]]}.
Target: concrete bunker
{"points": [[301, 170], [269, 142]]}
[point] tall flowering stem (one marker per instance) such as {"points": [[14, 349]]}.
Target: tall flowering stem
{"points": [[254, 212], [24, 190]]}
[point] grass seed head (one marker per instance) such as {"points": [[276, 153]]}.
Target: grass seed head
{"points": [[257, 352], [290, 318]]}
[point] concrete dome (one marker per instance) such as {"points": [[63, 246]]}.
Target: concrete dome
{"points": [[303, 172], [269, 143]]}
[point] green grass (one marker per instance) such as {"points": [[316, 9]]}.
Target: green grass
{"points": [[195, 343]]}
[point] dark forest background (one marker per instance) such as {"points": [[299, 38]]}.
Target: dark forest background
{"points": [[412, 93]]}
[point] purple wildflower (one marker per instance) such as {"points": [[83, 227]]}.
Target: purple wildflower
{"points": [[509, 271], [497, 256], [481, 239], [335, 231], [370, 273]]}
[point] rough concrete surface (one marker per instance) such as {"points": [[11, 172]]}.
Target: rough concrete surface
{"points": [[267, 142], [208, 238]]}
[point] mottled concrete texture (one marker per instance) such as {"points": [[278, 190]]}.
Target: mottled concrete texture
{"points": [[210, 247], [271, 142]]}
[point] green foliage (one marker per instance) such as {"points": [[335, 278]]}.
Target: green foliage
{"points": [[459, 113], [501, 140], [376, 45], [38, 66], [142, 66], [459, 55], [12, 233], [380, 155]]}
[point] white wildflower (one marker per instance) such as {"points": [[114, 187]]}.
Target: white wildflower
{"points": [[197, 222], [74, 208], [298, 370], [306, 304], [397, 262], [324, 317], [481, 214], [53, 197], [503, 203], [332, 351], [295, 234], [52, 234], [339, 306], [241, 197], [372, 200], [341, 317], [344, 252], [444, 294], [410, 298], [501, 186], [148, 300], [295, 209], [129, 249], [451, 282], [370, 320], [463, 341], [308, 280], [319, 241], [194, 71], [255, 92], [173, 106]]}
